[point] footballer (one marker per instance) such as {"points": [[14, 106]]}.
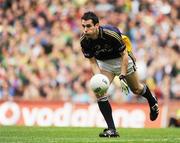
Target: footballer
{"points": [[110, 53]]}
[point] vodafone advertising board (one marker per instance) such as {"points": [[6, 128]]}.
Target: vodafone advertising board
{"points": [[77, 115]]}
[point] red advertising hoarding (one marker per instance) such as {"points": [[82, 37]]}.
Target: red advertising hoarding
{"points": [[43, 113]]}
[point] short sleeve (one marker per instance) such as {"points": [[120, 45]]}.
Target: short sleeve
{"points": [[87, 49], [116, 40], [119, 43]]}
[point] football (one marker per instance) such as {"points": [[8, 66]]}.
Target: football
{"points": [[99, 83]]}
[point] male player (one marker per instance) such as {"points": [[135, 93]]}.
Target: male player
{"points": [[109, 55]]}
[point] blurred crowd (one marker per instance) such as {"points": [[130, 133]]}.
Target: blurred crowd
{"points": [[41, 58]]}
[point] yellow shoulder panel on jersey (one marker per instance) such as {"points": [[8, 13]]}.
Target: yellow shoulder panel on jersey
{"points": [[128, 47], [127, 41]]}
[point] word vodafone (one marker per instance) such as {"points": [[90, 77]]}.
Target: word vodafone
{"points": [[67, 114]]}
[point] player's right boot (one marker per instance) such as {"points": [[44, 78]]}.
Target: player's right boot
{"points": [[153, 103], [154, 110], [109, 133]]}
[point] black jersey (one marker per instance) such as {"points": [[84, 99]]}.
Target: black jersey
{"points": [[108, 45]]}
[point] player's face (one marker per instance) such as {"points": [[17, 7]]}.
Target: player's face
{"points": [[89, 29]]}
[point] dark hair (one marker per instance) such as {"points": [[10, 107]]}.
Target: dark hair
{"points": [[90, 15]]}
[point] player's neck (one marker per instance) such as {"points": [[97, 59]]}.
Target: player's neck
{"points": [[96, 34]]}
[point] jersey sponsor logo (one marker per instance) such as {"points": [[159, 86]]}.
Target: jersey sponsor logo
{"points": [[103, 49]]}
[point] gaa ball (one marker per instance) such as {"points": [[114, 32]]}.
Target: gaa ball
{"points": [[99, 83]]}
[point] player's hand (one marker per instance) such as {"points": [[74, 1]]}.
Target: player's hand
{"points": [[124, 86]]}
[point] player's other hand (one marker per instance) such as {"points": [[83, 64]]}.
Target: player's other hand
{"points": [[124, 86]]}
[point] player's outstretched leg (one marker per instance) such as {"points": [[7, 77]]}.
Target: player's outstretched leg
{"points": [[140, 89], [153, 103], [109, 133]]}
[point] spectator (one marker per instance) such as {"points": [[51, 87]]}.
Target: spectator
{"points": [[175, 121], [39, 47]]}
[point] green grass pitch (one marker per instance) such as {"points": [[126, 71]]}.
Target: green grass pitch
{"points": [[18, 134]]}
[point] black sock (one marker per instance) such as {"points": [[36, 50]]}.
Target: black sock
{"points": [[106, 111], [147, 94]]}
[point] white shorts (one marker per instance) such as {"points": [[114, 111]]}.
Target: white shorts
{"points": [[114, 65]]}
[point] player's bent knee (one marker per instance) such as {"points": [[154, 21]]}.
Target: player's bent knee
{"points": [[136, 91]]}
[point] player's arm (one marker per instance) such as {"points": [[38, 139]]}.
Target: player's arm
{"points": [[124, 62], [94, 65], [124, 67]]}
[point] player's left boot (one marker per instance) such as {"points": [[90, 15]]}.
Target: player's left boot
{"points": [[154, 110], [109, 133]]}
